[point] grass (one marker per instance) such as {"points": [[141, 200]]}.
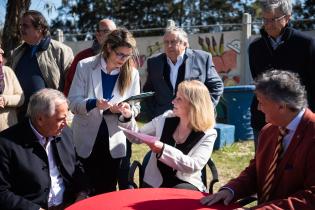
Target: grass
{"points": [[229, 160]]}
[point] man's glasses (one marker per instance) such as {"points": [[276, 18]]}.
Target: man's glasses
{"points": [[105, 31], [272, 20], [173, 42], [122, 56]]}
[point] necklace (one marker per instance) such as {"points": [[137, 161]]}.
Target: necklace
{"points": [[181, 136]]}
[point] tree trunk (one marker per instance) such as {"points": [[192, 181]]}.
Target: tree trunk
{"points": [[11, 34]]}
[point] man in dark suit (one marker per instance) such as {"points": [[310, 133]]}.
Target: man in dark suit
{"points": [[166, 70], [281, 47], [283, 170], [38, 164]]}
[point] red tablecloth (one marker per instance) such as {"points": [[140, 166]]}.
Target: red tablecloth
{"points": [[147, 199]]}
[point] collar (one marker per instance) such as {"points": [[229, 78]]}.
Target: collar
{"points": [[41, 138], [104, 69], [42, 45], [96, 47], [296, 121], [285, 35], [179, 59]]}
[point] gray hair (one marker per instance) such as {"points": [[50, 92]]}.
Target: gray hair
{"points": [[182, 35], [282, 6], [44, 102], [282, 87]]}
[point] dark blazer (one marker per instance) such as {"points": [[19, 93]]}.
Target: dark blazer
{"points": [[296, 53], [198, 66], [24, 169], [294, 182]]}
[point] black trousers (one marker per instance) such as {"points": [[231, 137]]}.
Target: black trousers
{"points": [[124, 168], [100, 167]]}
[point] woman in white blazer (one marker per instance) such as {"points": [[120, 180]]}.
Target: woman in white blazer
{"points": [[186, 134], [100, 83]]}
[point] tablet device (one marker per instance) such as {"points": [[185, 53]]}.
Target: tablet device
{"points": [[139, 97]]}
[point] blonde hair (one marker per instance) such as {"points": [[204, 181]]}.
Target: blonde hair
{"points": [[121, 38], [201, 114]]}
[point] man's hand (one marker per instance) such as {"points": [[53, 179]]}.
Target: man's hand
{"points": [[224, 195], [81, 196]]}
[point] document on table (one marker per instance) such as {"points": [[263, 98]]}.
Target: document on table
{"points": [[141, 136]]}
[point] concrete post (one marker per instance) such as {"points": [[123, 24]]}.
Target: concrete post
{"points": [[59, 35], [245, 39], [170, 23]]}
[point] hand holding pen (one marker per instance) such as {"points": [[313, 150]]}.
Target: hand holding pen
{"points": [[104, 103]]}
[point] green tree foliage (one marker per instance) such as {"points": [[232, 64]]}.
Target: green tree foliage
{"points": [[11, 36], [304, 10], [81, 16]]}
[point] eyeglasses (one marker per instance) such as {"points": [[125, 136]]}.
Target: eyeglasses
{"points": [[122, 56], [173, 42], [272, 20]]}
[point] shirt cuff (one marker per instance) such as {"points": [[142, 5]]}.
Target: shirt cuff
{"points": [[90, 104], [158, 155], [229, 189]]}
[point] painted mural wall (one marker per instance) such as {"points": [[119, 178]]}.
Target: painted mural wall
{"points": [[224, 47]]}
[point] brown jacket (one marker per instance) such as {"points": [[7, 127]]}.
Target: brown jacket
{"points": [[294, 180]]}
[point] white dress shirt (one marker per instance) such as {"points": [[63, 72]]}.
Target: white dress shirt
{"points": [[174, 68], [57, 186], [292, 126], [104, 68]]}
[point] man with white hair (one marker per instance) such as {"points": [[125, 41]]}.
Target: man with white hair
{"points": [[38, 163], [178, 62], [281, 47]]}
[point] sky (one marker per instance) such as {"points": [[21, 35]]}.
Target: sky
{"points": [[35, 5]]}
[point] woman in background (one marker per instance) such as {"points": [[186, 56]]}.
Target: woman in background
{"points": [[11, 95], [186, 136], [99, 84]]}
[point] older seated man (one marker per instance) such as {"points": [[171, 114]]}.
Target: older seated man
{"points": [[38, 164], [283, 170]]}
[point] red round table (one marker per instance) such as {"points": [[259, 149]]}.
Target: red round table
{"points": [[147, 199]]}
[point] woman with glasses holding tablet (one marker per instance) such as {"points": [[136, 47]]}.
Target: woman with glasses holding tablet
{"points": [[99, 84]]}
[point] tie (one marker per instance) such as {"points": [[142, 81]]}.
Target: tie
{"points": [[272, 168]]}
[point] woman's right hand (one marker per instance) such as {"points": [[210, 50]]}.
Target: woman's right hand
{"points": [[103, 104], [125, 110]]}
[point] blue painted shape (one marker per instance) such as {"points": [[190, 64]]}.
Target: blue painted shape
{"points": [[225, 135], [238, 100]]}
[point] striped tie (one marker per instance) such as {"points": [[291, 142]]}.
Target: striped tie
{"points": [[273, 165]]}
